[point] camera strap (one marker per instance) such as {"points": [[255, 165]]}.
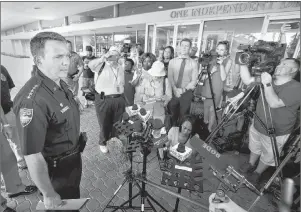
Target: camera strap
{"points": [[100, 71]]}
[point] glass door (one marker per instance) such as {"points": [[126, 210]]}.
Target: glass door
{"points": [[190, 31], [164, 37], [292, 36], [237, 31]]}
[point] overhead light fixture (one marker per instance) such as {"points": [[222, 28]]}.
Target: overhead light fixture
{"points": [[160, 7], [37, 8], [183, 27]]}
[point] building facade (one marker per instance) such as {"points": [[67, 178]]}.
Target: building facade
{"points": [[205, 23]]}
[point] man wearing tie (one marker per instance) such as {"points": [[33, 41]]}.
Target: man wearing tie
{"points": [[182, 75]]}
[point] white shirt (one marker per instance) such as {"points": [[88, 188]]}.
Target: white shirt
{"points": [[110, 81]]}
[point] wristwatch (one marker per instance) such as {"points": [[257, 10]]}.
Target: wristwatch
{"points": [[268, 85]]}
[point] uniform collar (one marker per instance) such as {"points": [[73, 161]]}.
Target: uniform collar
{"points": [[50, 84]]}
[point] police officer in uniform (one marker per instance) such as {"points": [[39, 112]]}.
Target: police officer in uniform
{"points": [[48, 122]]}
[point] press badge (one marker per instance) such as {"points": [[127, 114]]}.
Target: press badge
{"points": [[64, 109]]}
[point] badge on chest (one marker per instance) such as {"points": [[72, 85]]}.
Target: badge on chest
{"points": [[64, 109]]}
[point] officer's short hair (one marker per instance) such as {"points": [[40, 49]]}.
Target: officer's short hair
{"points": [[37, 43]]}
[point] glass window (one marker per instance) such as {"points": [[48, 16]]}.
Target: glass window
{"points": [[78, 44], [164, 37], [103, 41], [150, 38], [238, 31], [292, 36], [188, 31], [119, 38], [141, 38]]}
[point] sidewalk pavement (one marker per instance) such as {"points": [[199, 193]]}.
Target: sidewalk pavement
{"points": [[101, 178]]}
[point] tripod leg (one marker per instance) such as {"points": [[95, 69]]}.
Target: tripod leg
{"points": [[177, 201], [115, 193], [151, 204], [126, 202], [155, 201]]}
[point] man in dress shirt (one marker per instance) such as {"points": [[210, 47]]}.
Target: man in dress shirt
{"points": [[182, 75], [109, 100]]}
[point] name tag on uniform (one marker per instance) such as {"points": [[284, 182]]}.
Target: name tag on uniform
{"points": [[64, 109], [118, 89]]}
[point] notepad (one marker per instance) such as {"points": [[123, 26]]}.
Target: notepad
{"points": [[68, 204]]}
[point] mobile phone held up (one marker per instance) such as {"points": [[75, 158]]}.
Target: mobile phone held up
{"points": [[295, 25]]}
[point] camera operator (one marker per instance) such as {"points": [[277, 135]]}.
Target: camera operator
{"points": [[282, 95]]}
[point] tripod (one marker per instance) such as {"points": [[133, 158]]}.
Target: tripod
{"points": [[207, 67], [268, 117], [131, 178]]}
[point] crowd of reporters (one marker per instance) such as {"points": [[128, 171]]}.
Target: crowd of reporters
{"points": [[167, 84]]}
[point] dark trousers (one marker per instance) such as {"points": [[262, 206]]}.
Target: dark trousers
{"points": [[108, 111], [66, 177], [179, 107]]}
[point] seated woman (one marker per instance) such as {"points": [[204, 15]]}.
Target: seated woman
{"points": [[152, 89], [181, 134]]}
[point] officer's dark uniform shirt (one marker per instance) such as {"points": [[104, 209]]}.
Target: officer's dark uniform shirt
{"points": [[6, 84], [47, 117]]}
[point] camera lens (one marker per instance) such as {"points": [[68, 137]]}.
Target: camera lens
{"points": [[244, 58]]}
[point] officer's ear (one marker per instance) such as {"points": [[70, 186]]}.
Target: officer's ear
{"points": [[37, 60]]}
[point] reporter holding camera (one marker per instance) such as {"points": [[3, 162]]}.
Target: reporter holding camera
{"points": [[109, 99], [282, 95]]}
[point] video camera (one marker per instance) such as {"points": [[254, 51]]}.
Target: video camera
{"points": [[126, 48], [261, 57], [208, 58]]}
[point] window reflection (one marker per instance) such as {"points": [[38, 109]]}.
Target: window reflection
{"points": [[164, 37], [238, 31], [150, 38], [188, 31], [292, 36]]}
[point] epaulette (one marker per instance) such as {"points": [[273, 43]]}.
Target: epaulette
{"points": [[27, 93], [34, 89]]}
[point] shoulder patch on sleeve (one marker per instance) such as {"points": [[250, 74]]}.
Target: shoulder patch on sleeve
{"points": [[26, 115]]}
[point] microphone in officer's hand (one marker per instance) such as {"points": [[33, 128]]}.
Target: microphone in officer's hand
{"points": [[287, 194]]}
